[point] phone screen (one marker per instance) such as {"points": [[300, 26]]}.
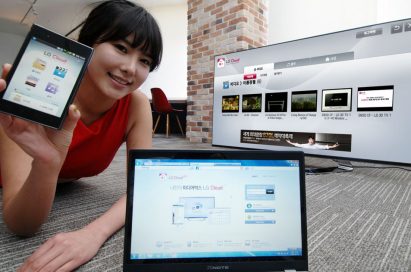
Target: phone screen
{"points": [[44, 77]]}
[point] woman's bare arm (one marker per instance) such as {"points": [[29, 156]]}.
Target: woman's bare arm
{"points": [[31, 157], [78, 247]]}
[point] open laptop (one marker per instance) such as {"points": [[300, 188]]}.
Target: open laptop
{"points": [[215, 210]]}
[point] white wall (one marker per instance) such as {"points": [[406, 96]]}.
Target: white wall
{"points": [[295, 19], [172, 73], [288, 20], [11, 37], [9, 46], [390, 10]]}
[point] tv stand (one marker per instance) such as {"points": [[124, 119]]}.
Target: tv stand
{"points": [[342, 166], [318, 170]]}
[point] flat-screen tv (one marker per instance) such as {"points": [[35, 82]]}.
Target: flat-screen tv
{"points": [[344, 95]]}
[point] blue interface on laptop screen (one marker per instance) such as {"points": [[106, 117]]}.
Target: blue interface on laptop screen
{"points": [[215, 208]]}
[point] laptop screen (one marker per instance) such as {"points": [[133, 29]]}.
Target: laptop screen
{"points": [[210, 206]]}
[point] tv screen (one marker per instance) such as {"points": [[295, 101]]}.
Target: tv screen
{"points": [[342, 95]]}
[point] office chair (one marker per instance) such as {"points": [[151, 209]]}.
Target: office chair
{"points": [[161, 105]]}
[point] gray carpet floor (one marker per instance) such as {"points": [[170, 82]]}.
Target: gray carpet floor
{"points": [[357, 221]]}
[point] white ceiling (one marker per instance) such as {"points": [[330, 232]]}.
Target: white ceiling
{"points": [[16, 16]]}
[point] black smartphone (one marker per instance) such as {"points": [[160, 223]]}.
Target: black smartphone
{"points": [[44, 77]]}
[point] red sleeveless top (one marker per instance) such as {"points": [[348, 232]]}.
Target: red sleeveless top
{"points": [[93, 147]]}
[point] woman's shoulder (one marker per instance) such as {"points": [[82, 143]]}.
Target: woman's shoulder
{"points": [[140, 121], [139, 102], [138, 94], [140, 108], [139, 97]]}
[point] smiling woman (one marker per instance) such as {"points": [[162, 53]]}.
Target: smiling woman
{"points": [[109, 110]]}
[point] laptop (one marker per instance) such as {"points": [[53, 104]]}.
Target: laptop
{"points": [[215, 210]]}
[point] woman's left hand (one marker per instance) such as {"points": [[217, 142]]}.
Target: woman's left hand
{"points": [[64, 252]]}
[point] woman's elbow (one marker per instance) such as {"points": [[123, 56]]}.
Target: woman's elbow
{"points": [[19, 228]]}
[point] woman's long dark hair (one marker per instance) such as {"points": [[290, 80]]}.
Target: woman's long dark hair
{"points": [[117, 19]]}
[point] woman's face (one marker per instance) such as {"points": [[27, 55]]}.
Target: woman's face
{"points": [[117, 69]]}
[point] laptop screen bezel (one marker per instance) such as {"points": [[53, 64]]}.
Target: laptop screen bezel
{"points": [[240, 264]]}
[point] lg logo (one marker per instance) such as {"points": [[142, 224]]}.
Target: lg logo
{"points": [[220, 62]]}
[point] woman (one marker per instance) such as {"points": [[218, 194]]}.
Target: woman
{"points": [[107, 110]]}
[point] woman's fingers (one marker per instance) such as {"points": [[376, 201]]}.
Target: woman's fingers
{"points": [[72, 118], [63, 252], [62, 138], [5, 70], [2, 85]]}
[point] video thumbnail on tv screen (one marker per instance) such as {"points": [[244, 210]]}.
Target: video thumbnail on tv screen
{"points": [[304, 101], [336, 100], [231, 103], [276, 102], [251, 103], [378, 98]]}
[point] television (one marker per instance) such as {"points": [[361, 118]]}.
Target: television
{"points": [[344, 95]]}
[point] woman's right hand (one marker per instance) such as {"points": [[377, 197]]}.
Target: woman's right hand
{"points": [[39, 142], [4, 72]]}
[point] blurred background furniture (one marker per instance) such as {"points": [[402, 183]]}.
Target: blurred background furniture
{"points": [[162, 106]]}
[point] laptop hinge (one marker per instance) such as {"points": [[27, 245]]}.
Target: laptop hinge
{"points": [[290, 270]]}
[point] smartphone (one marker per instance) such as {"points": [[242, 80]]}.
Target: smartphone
{"points": [[44, 77]]}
